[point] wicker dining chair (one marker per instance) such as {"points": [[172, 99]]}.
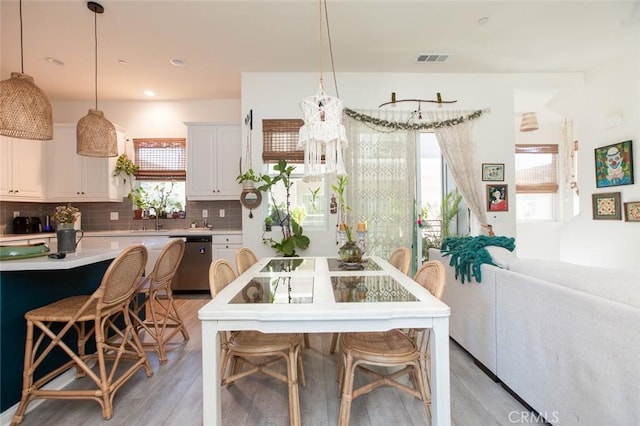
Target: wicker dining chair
{"points": [[245, 258], [390, 349], [119, 353], [162, 321], [258, 350], [400, 258]]}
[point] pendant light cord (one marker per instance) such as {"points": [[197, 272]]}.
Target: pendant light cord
{"points": [[95, 36], [21, 42], [333, 67]]}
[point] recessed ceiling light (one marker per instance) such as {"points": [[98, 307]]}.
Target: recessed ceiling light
{"points": [[54, 61], [177, 62], [483, 20], [149, 93], [122, 62]]}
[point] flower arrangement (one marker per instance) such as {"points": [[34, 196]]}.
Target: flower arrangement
{"points": [[65, 214]]}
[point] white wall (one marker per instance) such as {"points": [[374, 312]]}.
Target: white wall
{"points": [[152, 119], [611, 90], [276, 95]]}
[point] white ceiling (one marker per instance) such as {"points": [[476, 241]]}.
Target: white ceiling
{"points": [[220, 39]]}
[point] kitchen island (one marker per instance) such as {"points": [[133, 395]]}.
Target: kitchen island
{"points": [[29, 283]]}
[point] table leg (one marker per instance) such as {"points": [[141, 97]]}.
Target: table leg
{"points": [[211, 405], [440, 385]]}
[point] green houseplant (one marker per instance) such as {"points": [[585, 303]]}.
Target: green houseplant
{"points": [[125, 169], [292, 233], [140, 200]]}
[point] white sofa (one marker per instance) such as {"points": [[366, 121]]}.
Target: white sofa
{"points": [[564, 337]]}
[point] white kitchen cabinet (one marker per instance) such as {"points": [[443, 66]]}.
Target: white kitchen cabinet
{"points": [[225, 247], [22, 169], [213, 161], [74, 177]]}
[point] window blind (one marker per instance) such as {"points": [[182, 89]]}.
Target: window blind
{"points": [[161, 159], [536, 168], [280, 140]]}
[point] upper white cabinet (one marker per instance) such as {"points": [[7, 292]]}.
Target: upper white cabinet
{"points": [[213, 161], [22, 169], [73, 177]]}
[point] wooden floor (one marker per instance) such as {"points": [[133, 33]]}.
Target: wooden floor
{"points": [[173, 396]]}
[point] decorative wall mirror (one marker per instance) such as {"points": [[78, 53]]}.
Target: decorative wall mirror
{"points": [[250, 199]]}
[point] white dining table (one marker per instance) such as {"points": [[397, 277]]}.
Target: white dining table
{"points": [[307, 295]]}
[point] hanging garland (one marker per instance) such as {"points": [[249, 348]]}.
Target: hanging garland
{"points": [[407, 125]]}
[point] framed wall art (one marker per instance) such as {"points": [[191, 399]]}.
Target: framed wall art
{"points": [[497, 198], [606, 206], [632, 211], [614, 164], [493, 172]]}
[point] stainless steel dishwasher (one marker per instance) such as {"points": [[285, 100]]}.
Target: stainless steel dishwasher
{"points": [[193, 273]]}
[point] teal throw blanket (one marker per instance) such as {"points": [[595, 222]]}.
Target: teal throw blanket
{"points": [[469, 253]]}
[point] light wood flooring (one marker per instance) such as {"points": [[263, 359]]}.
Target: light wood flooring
{"points": [[173, 396]]}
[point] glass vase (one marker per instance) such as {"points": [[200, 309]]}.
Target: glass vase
{"points": [[350, 252]]}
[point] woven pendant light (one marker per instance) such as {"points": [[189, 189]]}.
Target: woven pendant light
{"points": [[25, 111], [95, 135], [529, 122]]}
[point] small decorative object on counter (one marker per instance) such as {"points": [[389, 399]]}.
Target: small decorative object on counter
{"points": [[66, 234]]}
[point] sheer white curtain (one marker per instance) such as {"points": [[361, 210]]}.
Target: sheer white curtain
{"points": [[458, 148], [381, 166]]}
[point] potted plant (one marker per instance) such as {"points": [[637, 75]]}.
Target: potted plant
{"points": [[248, 178], [292, 232], [140, 200], [267, 223], [349, 252], [125, 169]]}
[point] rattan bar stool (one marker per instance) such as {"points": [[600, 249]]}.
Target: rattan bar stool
{"points": [[119, 353], [400, 258], [162, 321], [393, 348], [258, 350]]}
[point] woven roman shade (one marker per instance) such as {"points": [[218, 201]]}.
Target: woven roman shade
{"points": [[280, 140], [161, 159], [536, 168]]}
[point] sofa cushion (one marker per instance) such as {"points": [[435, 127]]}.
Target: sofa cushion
{"points": [[501, 256], [612, 284]]}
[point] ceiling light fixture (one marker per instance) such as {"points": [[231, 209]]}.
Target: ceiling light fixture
{"points": [[95, 135], [25, 111], [177, 62], [529, 122], [149, 93], [323, 136]]}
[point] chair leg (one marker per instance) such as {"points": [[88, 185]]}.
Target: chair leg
{"points": [[306, 340], [27, 377], [334, 342], [347, 390], [292, 382]]}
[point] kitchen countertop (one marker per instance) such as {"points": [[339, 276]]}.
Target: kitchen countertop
{"points": [[90, 250], [130, 233]]}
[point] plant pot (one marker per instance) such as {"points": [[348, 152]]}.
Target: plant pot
{"points": [[350, 252], [137, 214], [267, 227]]}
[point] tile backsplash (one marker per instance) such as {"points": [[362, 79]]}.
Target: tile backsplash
{"points": [[96, 216]]}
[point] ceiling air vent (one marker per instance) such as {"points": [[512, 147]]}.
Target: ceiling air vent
{"points": [[432, 58]]}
